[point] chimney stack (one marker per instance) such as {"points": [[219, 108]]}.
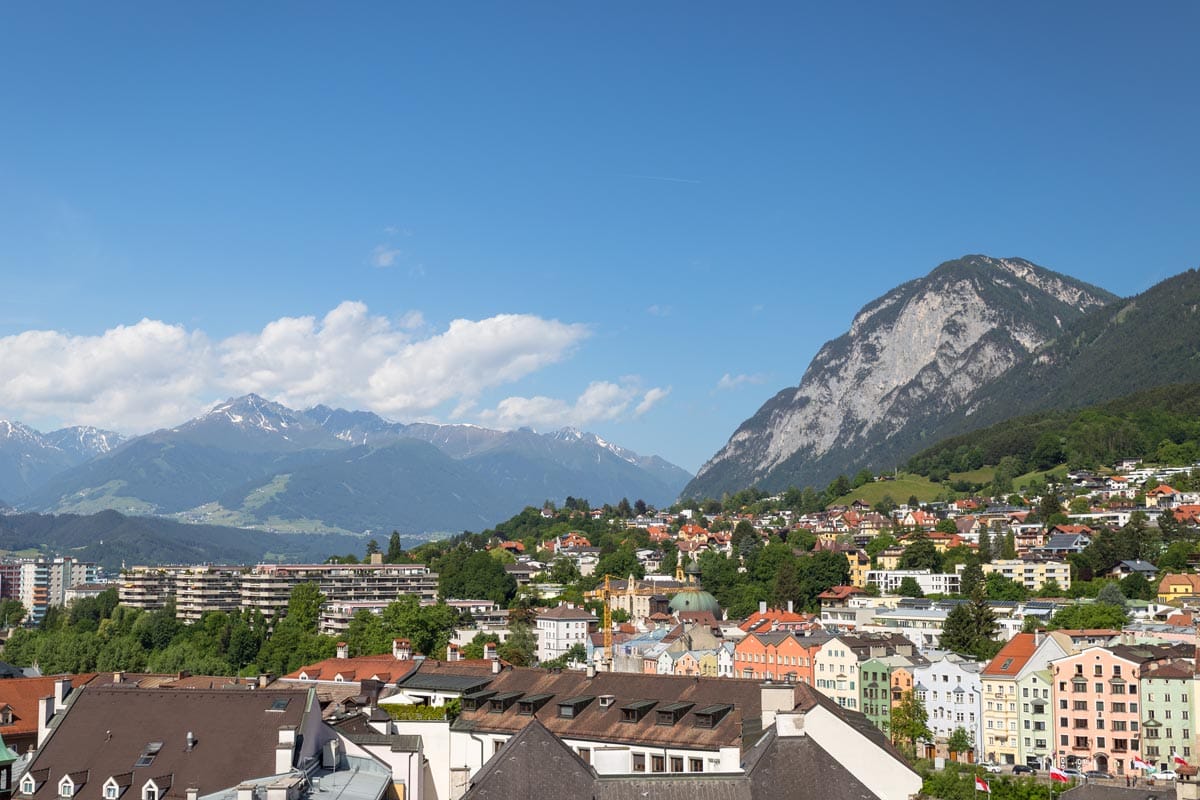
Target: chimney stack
{"points": [[343, 650], [118, 678], [62, 688], [192, 793], [789, 606], [762, 606], [402, 649], [496, 666], [591, 669]]}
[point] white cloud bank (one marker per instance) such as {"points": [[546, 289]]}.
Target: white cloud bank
{"points": [[729, 382], [152, 374], [602, 401]]}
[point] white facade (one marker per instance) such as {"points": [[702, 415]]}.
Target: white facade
{"points": [[835, 673], [952, 695], [889, 580], [560, 628], [1032, 574]]}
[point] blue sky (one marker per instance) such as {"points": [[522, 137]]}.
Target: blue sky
{"points": [[646, 218]]}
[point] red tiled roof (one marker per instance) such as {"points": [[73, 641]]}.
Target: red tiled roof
{"points": [[1013, 656], [22, 694], [386, 668]]}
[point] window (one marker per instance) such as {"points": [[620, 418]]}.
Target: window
{"points": [[658, 764], [676, 763], [695, 765], [66, 788], [150, 791], [639, 762], [111, 791], [585, 753]]}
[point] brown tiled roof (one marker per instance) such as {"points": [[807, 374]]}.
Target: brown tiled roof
{"points": [[566, 612], [532, 764], [604, 724], [106, 730], [23, 694]]}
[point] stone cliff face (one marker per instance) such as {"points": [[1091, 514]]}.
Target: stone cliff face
{"points": [[910, 357]]}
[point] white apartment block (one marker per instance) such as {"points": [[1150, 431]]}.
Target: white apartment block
{"points": [[561, 627], [1031, 574], [950, 690], [889, 580]]}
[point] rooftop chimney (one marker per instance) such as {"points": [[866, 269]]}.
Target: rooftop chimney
{"points": [[62, 688], [776, 698], [192, 793], [376, 558], [489, 650], [789, 606], [453, 653], [496, 666], [402, 649], [263, 680], [118, 678], [762, 606], [343, 650], [591, 669]]}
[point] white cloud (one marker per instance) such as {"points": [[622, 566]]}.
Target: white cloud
{"points": [[728, 381], [659, 311], [651, 399], [601, 401], [152, 374], [383, 256]]}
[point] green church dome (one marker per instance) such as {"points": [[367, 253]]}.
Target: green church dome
{"points": [[695, 600]]}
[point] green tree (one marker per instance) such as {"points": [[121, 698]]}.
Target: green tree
{"points": [[1092, 615], [786, 584], [946, 526], [474, 648], [1001, 588], [1009, 548], [395, 552], [1111, 594], [521, 647], [910, 588], [960, 741], [972, 577], [620, 564], [467, 574], [11, 613], [921, 553], [1136, 587], [909, 723]]}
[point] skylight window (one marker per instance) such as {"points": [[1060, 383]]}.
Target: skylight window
{"points": [[281, 703], [147, 756]]}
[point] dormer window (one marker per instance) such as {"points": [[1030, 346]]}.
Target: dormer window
{"points": [[6, 715], [28, 786], [112, 791], [66, 788], [150, 791]]}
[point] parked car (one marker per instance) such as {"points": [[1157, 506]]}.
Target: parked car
{"points": [[1073, 773], [1022, 769], [989, 766], [1098, 775], [1164, 775]]}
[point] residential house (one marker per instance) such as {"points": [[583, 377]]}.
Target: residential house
{"points": [[1031, 573], [162, 745], [560, 628], [949, 688], [812, 752], [1174, 588], [1001, 680], [1168, 711], [1035, 689]]}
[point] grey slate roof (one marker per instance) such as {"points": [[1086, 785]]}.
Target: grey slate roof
{"points": [[533, 764]]}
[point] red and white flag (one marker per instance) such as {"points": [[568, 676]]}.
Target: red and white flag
{"points": [[1179, 762], [1057, 774], [1137, 763], [981, 785]]}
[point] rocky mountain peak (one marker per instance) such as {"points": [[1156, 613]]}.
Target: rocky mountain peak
{"points": [[915, 353]]}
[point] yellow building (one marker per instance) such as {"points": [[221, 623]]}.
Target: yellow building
{"points": [[860, 565], [1031, 574]]}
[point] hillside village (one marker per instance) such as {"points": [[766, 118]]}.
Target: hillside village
{"points": [[695, 644]]}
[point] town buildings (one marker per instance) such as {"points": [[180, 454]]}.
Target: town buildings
{"points": [[267, 587]]}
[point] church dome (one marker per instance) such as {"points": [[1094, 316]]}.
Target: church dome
{"points": [[695, 600]]}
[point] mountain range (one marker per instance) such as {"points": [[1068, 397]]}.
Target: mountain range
{"points": [[974, 342], [253, 462]]}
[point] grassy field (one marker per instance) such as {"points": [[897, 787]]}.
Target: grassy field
{"points": [[904, 487], [983, 475]]}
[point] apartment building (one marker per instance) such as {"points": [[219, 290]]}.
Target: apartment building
{"points": [[777, 655], [1168, 711], [1032, 573], [837, 674], [1097, 697], [1002, 680], [561, 628], [267, 587], [45, 583], [889, 580], [949, 688], [206, 588]]}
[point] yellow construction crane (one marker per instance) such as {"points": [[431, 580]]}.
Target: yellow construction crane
{"points": [[606, 593]]}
